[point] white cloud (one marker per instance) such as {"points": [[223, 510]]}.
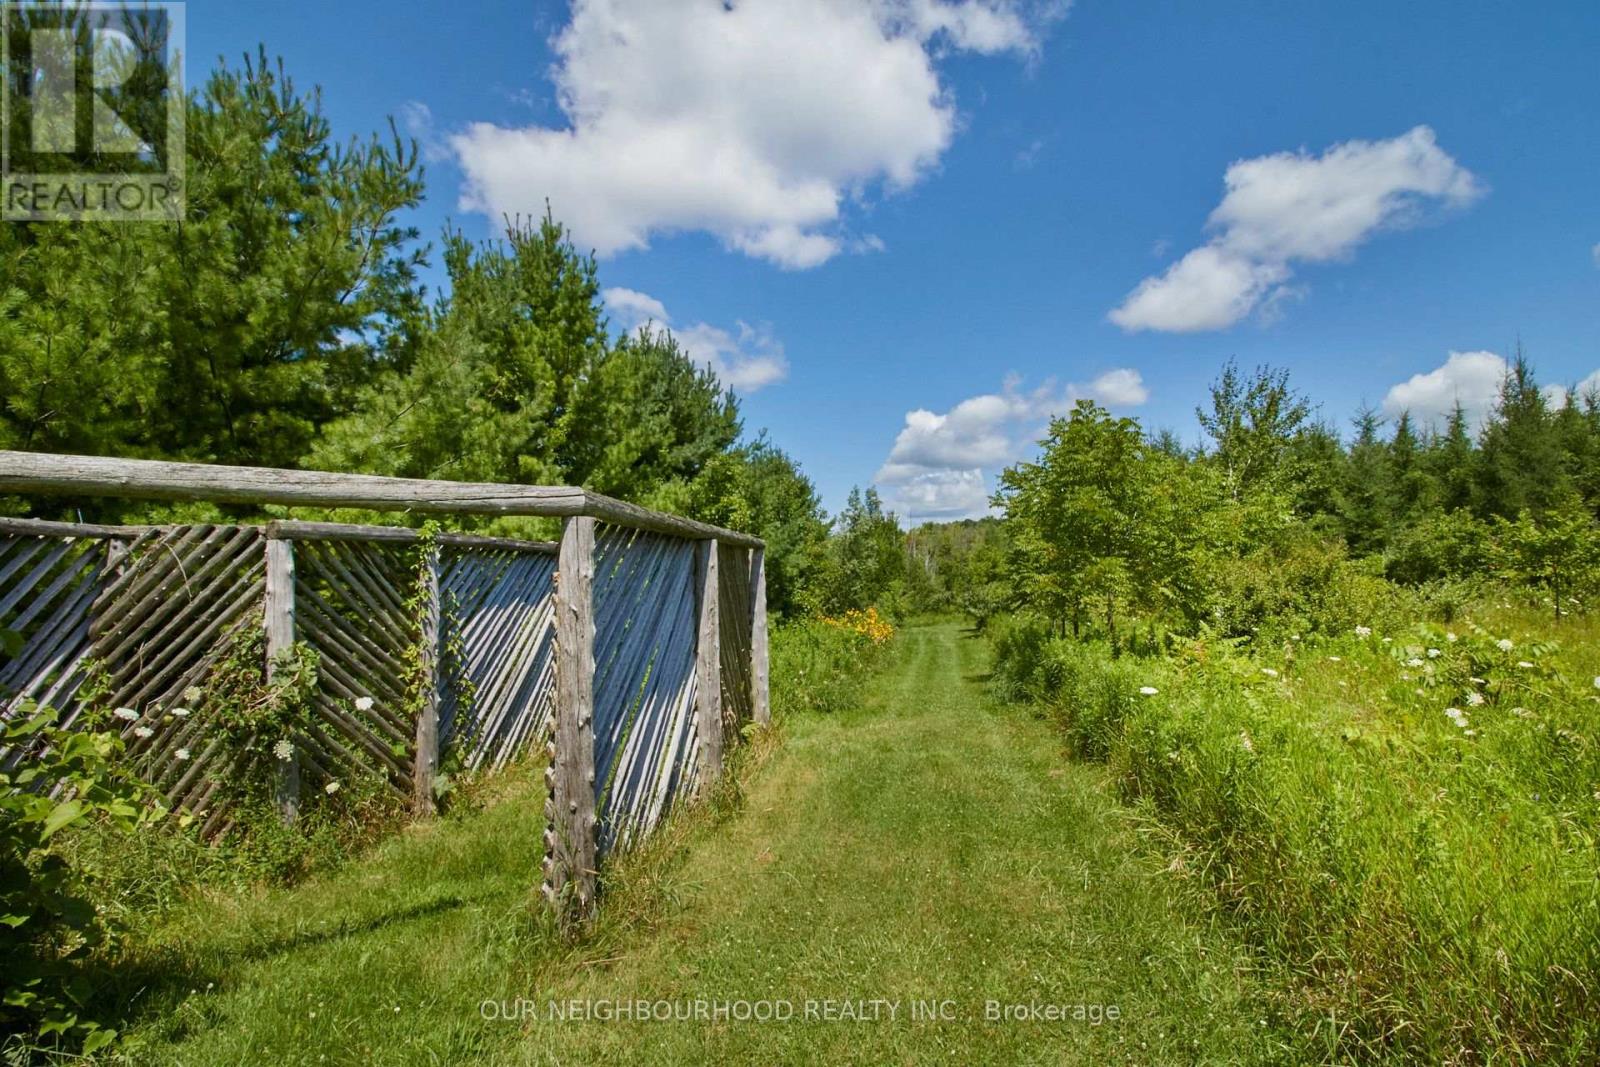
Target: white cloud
{"points": [[937, 465], [1595, 251], [635, 308], [938, 495], [1293, 207], [1121, 388], [1472, 379], [1556, 395], [745, 359], [754, 122]]}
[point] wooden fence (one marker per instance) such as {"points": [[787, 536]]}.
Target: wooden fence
{"points": [[634, 647]]}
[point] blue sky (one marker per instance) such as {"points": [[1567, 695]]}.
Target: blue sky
{"points": [[911, 229]]}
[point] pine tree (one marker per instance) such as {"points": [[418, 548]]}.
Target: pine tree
{"points": [[1520, 464]]}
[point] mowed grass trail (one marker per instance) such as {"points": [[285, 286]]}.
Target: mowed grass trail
{"points": [[925, 847]]}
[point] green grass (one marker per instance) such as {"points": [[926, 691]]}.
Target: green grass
{"points": [[924, 844], [1427, 889]]}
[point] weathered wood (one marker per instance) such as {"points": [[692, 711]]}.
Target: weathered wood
{"points": [[427, 761], [760, 688], [708, 665], [46, 528], [280, 638], [570, 834], [141, 479], [296, 530]]}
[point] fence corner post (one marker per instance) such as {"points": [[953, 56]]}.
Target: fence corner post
{"points": [[760, 687], [426, 767], [570, 864], [280, 638], [708, 665]]}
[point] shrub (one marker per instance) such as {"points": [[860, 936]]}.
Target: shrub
{"points": [[820, 665], [1405, 827], [63, 781]]}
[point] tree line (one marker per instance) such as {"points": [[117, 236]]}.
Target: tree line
{"points": [[282, 323], [1277, 518]]}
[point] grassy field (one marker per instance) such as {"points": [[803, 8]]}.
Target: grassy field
{"points": [[924, 846], [1404, 823]]}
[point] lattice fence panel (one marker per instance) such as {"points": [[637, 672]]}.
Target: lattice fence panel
{"points": [[351, 607], [644, 688], [499, 651], [48, 585], [733, 587], [172, 607]]}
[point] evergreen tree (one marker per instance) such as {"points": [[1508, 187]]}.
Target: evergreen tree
{"points": [[1520, 463], [1451, 461], [1366, 482]]}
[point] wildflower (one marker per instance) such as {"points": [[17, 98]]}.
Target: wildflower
{"points": [[1434, 653], [1470, 733], [1452, 638], [1524, 664], [1504, 644], [182, 753], [1414, 661], [182, 713], [1597, 681], [126, 714], [364, 703], [142, 732], [1245, 742], [1148, 690], [1363, 631], [283, 750], [1457, 716], [193, 694], [1335, 659], [1475, 700], [1269, 672], [331, 788]]}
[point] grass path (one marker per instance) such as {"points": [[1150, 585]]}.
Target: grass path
{"points": [[925, 847]]}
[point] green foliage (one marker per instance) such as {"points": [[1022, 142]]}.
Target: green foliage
{"points": [[758, 487], [1253, 424], [865, 564], [819, 667], [1400, 819], [63, 781], [1097, 522], [958, 566], [281, 324], [1559, 554], [234, 335]]}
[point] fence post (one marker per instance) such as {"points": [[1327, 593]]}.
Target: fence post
{"points": [[570, 828], [427, 763], [760, 690], [708, 664], [280, 638]]}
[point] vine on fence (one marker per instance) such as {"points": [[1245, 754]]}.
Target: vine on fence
{"points": [[425, 666]]}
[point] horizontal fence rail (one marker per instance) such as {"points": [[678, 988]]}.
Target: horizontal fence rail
{"points": [[634, 648]]}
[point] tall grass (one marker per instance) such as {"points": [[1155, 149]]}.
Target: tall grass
{"points": [[1403, 823]]}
